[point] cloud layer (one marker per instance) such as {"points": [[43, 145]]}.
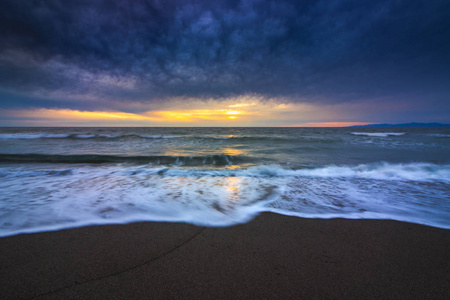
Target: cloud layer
{"points": [[97, 53]]}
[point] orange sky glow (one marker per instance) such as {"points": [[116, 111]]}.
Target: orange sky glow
{"points": [[227, 113]]}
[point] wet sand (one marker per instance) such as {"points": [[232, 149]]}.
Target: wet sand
{"points": [[272, 257]]}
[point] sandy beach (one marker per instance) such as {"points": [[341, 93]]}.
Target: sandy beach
{"points": [[272, 257]]}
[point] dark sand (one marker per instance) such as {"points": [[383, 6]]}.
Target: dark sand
{"points": [[272, 257]]}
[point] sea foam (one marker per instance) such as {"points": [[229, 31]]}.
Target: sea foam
{"points": [[379, 134], [78, 195]]}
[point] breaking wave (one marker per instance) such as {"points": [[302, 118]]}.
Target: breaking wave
{"points": [[78, 195], [207, 160], [32, 136], [379, 134], [29, 136]]}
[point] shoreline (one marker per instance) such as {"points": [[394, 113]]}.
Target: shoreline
{"points": [[54, 228], [273, 256]]}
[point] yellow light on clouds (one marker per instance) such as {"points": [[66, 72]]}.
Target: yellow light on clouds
{"points": [[241, 104], [233, 112], [78, 116], [195, 115], [238, 111], [68, 114]]}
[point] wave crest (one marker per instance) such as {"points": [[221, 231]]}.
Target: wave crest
{"points": [[379, 134], [207, 160]]}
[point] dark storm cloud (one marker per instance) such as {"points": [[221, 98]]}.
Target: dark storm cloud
{"points": [[300, 50]]}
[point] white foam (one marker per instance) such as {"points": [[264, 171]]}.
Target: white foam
{"points": [[97, 195], [384, 171], [220, 137], [28, 136], [381, 171], [379, 134], [161, 136], [85, 136], [48, 197]]}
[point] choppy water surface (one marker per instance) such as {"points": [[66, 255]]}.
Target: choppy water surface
{"points": [[52, 178]]}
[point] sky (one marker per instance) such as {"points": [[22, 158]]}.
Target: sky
{"points": [[224, 63]]}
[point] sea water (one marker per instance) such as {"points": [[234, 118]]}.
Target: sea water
{"points": [[54, 178]]}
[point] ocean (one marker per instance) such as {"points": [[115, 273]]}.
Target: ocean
{"points": [[56, 178]]}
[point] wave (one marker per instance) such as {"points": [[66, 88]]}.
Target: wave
{"points": [[35, 173], [439, 135], [379, 134], [242, 137], [128, 137], [379, 171], [37, 198], [420, 172], [29, 136], [207, 160]]}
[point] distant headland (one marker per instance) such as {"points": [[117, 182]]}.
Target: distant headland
{"points": [[413, 124]]}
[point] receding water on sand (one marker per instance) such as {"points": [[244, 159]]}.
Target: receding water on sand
{"points": [[59, 178]]}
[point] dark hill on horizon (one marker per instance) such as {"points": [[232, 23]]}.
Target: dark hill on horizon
{"points": [[413, 124]]}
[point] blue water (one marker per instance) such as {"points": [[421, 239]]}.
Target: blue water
{"points": [[54, 178]]}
